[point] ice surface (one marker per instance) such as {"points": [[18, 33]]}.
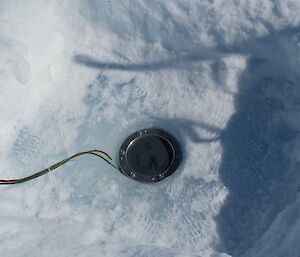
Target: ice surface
{"points": [[223, 76]]}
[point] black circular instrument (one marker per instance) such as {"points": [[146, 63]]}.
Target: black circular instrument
{"points": [[149, 155]]}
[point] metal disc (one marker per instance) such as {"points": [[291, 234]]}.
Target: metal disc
{"points": [[149, 155]]}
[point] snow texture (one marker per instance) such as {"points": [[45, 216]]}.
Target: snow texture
{"points": [[221, 75]]}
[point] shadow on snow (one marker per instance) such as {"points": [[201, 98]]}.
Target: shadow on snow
{"points": [[256, 167]]}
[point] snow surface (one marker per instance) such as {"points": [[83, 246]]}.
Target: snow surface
{"points": [[221, 75]]}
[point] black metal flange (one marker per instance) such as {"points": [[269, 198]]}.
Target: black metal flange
{"points": [[149, 155]]}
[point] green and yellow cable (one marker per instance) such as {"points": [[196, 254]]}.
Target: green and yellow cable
{"points": [[58, 164]]}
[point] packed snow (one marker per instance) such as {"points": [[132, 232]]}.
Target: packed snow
{"points": [[221, 75]]}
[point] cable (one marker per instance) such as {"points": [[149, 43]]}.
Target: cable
{"points": [[58, 164]]}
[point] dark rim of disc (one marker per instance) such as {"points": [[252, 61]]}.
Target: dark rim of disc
{"points": [[173, 150]]}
